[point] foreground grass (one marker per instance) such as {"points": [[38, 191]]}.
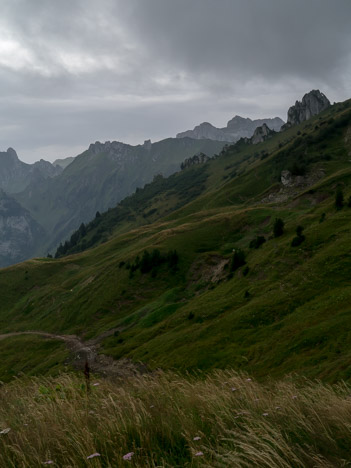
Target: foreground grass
{"points": [[223, 419]]}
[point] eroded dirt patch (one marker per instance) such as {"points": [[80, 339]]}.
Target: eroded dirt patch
{"points": [[82, 352]]}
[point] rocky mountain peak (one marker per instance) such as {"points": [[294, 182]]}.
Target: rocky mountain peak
{"points": [[12, 153], [311, 104], [238, 127], [261, 134]]}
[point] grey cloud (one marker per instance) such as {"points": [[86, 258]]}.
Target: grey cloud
{"points": [[84, 70]]}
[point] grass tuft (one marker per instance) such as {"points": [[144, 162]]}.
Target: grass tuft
{"points": [[168, 420]]}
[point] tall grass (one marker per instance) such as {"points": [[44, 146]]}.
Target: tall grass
{"points": [[219, 420]]}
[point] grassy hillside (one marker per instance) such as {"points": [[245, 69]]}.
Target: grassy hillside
{"points": [[99, 178], [286, 309]]}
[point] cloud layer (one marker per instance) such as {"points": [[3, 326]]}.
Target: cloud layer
{"points": [[72, 72]]}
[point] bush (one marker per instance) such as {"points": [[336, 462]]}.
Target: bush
{"points": [[299, 237], [322, 218], [238, 260], [278, 228], [256, 243], [339, 199], [150, 262]]}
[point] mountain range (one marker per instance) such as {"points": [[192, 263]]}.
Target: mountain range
{"points": [[238, 127], [56, 198], [240, 260]]}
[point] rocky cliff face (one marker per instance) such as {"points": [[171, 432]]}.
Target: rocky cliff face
{"points": [[261, 134], [238, 127], [199, 158], [16, 175], [20, 235], [312, 104]]}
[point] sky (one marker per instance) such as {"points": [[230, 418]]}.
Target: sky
{"points": [[73, 72]]}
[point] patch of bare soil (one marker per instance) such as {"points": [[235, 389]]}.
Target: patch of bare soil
{"points": [[297, 185], [82, 352], [210, 269]]}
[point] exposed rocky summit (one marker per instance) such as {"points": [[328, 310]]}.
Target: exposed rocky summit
{"points": [[261, 134], [16, 175], [207, 131], [312, 104], [199, 158], [238, 127]]}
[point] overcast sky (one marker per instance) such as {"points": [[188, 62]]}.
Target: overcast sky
{"points": [[76, 71]]}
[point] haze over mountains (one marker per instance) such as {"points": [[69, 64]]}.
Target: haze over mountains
{"points": [[46, 202], [238, 127]]}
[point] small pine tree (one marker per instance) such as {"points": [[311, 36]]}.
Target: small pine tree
{"points": [[278, 228], [145, 263], [299, 237], [238, 260], [299, 230], [256, 243], [339, 199]]}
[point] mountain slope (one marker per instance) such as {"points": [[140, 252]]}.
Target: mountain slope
{"points": [[99, 178], [16, 175], [20, 234], [286, 309]]}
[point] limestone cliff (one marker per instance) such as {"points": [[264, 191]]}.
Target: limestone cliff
{"points": [[312, 104]]}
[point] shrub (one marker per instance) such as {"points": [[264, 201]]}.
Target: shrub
{"points": [[238, 260], [256, 243], [299, 237], [278, 228], [339, 199]]}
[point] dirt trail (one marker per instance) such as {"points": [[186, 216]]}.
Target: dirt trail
{"points": [[81, 351]]}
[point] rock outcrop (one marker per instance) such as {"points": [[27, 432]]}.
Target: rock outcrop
{"points": [[261, 134], [238, 127], [312, 104], [199, 158]]}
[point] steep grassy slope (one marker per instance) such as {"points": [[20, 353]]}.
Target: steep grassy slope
{"points": [[287, 309], [99, 178]]}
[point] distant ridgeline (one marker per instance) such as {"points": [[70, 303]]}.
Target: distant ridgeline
{"points": [[181, 188], [59, 197], [241, 260]]}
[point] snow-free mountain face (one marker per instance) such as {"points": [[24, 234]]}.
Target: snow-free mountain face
{"points": [[20, 234], [238, 127], [16, 175], [313, 103], [60, 200]]}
